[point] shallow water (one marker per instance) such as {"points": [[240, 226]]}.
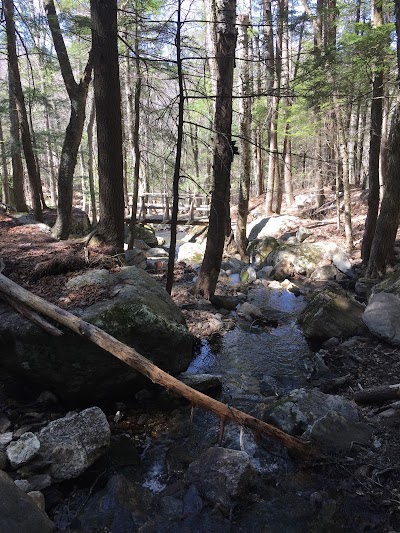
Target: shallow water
{"points": [[250, 353]]}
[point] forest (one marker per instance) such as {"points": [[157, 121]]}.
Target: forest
{"points": [[199, 280]]}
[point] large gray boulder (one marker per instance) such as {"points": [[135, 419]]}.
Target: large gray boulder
{"points": [[381, 317], [221, 475], [274, 226], [307, 257], [18, 512], [69, 445], [331, 421], [332, 313], [138, 312]]}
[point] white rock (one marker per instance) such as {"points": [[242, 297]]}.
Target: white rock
{"points": [[23, 450]]}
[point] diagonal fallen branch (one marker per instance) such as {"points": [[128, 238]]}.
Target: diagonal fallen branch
{"points": [[132, 358]]}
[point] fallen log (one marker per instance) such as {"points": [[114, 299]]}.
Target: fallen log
{"points": [[378, 394], [135, 360]]}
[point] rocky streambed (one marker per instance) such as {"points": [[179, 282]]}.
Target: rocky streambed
{"points": [[153, 463]]}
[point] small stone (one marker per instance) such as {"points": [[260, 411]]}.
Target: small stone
{"points": [[38, 498], [5, 438], [47, 398], [23, 450], [23, 484]]}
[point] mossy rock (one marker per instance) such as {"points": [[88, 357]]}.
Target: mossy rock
{"points": [[138, 313], [333, 313]]}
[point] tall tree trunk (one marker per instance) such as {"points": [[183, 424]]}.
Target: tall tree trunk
{"points": [[382, 248], [245, 133], [18, 193], [107, 95], [77, 93], [89, 130], [135, 128], [177, 168], [5, 184], [53, 179], [374, 146], [15, 81], [223, 153]]}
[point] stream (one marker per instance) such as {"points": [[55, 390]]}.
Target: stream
{"points": [[255, 363]]}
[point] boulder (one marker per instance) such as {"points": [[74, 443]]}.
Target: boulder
{"points": [[259, 249], [69, 445], [139, 313], [282, 270], [273, 226], [390, 284], [18, 512], [21, 451], [332, 313], [191, 253], [381, 317], [332, 421], [249, 311], [135, 257], [221, 475], [120, 506], [324, 273], [307, 257], [248, 275], [144, 233]]}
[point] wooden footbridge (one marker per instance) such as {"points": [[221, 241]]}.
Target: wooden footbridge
{"points": [[156, 208]]}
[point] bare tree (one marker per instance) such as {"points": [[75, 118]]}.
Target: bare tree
{"points": [[107, 94], [77, 93], [219, 222], [16, 89]]}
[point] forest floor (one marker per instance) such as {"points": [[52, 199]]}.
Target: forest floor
{"points": [[27, 248]]}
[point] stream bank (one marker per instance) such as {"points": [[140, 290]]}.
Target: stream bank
{"points": [[164, 470]]}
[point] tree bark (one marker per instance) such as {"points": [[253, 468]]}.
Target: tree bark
{"points": [[6, 187], [107, 95], [245, 134], [135, 360], [90, 125], [382, 249], [18, 193], [378, 394], [219, 221], [374, 146], [77, 93], [15, 83], [178, 156]]}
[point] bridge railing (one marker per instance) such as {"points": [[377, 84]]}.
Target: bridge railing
{"points": [[157, 207]]}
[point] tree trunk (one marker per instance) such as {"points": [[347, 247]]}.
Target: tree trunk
{"points": [[18, 193], [107, 95], [374, 147], [135, 360], [219, 220], [177, 168], [6, 187], [53, 179], [378, 394], [90, 125], [245, 134], [15, 82], [135, 128], [77, 93], [382, 249]]}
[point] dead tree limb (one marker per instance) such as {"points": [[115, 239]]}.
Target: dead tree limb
{"points": [[132, 358], [378, 394]]}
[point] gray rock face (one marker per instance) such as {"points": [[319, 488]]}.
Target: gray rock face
{"points": [[119, 507], [71, 444], [18, 512], [221, 475], [21, 451], [332, 421], [259, 249], [271, 226], [139, 313], [332, 313], [324, 273], [381, 317], [135, 257], [191, 253]]}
